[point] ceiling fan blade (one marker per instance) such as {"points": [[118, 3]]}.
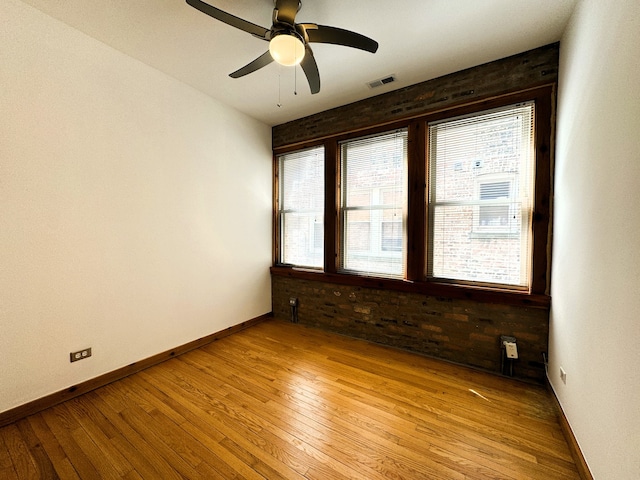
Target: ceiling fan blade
{"points": [[229, 19], [286, 10], [262, 61], [339, 36], [310, 68]]}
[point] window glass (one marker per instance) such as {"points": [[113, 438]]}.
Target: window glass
{"points": [[301, 203], [373, 201], [480, 197], [391, 236]]}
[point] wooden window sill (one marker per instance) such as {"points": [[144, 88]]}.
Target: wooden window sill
{"points": [[474, 293]]}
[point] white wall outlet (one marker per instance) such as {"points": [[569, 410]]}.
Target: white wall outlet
{"points": [[563, 375], [512, 349]]}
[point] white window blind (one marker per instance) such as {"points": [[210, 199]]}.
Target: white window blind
{"points": [[373, 204], [480, 197], [301, 204]]}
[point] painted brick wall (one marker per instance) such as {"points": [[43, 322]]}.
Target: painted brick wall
{"points": [[456, 330]]}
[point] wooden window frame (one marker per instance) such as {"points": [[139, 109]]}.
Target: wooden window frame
{"points": [[416, 256], [341, 210]]}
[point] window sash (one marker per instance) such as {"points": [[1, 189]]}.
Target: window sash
{"points": [[374, 189], [494, 151], [301, 207]]}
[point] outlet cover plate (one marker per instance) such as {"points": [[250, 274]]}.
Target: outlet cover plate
{"points": [[80, 355]]}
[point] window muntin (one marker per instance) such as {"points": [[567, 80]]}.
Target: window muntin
{"points": [[301, 202], [480, 197], [373, 204]]}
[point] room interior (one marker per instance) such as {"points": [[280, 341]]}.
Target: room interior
{"points": [[136, 181]]}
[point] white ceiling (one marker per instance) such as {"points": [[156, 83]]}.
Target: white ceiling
{"points": [[419, 40]]}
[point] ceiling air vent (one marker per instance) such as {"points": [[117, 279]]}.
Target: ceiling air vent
{"points": [[382, 81]]}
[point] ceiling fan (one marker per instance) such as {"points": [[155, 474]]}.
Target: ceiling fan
{"points": [[289, 41]]}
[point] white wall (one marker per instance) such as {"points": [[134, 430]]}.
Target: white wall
{"points": [[595, 317], [135, 212]]}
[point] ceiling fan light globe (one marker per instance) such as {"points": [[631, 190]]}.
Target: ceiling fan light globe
{"points": [[286, 49]]}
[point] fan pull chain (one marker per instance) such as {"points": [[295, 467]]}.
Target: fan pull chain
{"points": [[295, 80], [279, 104]]}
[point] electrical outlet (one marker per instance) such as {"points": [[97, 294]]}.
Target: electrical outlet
{"points": [[293, 301], [512, 349], [80, 355], [563, 375]]}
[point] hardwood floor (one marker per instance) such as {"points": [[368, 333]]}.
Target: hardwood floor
{"points": [[280, 400]]}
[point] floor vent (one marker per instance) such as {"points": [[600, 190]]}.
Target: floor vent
{"points": [[382, 81]]}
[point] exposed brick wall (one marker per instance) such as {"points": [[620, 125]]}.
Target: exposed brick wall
{"points": [[460, 331], [525, 70]]}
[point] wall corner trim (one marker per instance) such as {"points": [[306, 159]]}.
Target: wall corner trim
{"points": [[574, 448], [13, 415]]}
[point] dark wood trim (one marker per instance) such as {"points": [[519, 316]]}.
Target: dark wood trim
{"points": [[433, 289], [13, 415], [275, 223], [347, 135], [574, 448], [316, 142], [542, 207], [331, 226], [416, 202]]}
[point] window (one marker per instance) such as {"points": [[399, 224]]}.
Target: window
{"points": [[373, 199], [480, 198], [453, 202], [301, 207]]}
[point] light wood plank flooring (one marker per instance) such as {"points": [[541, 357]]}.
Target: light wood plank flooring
{"points": [[280, 400]]}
